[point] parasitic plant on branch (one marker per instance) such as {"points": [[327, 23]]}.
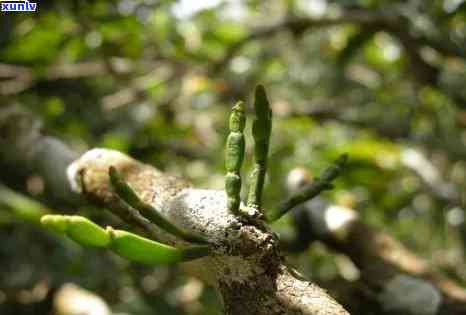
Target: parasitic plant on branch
{"points": [[222, 240]]}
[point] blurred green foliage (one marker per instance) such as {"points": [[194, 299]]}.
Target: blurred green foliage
{"points": [[156, 79]]}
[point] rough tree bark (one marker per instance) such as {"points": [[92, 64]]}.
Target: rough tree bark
{"points": [[246, 268]]}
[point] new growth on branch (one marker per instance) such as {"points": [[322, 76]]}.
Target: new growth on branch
{"points": [[144, 250]]}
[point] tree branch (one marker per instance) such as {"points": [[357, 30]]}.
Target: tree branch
{"points": [[398, 279], [246, 266]]}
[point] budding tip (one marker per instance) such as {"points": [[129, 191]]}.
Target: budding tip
{"points": [[112, 172], [239, 106], [343, 159], [114, 175], [260, 89], [44, 219], [261, 103]]}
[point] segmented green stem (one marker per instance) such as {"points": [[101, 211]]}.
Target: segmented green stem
{"points": [[123, 243], [311, 190], [261, 129], [234, 156], [128, 195]]}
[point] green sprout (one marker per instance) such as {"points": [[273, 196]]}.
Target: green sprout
{"points": [[234, 156], [141, 249], [261, 129], [124, 243], [312, 189], [128, 195]]}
